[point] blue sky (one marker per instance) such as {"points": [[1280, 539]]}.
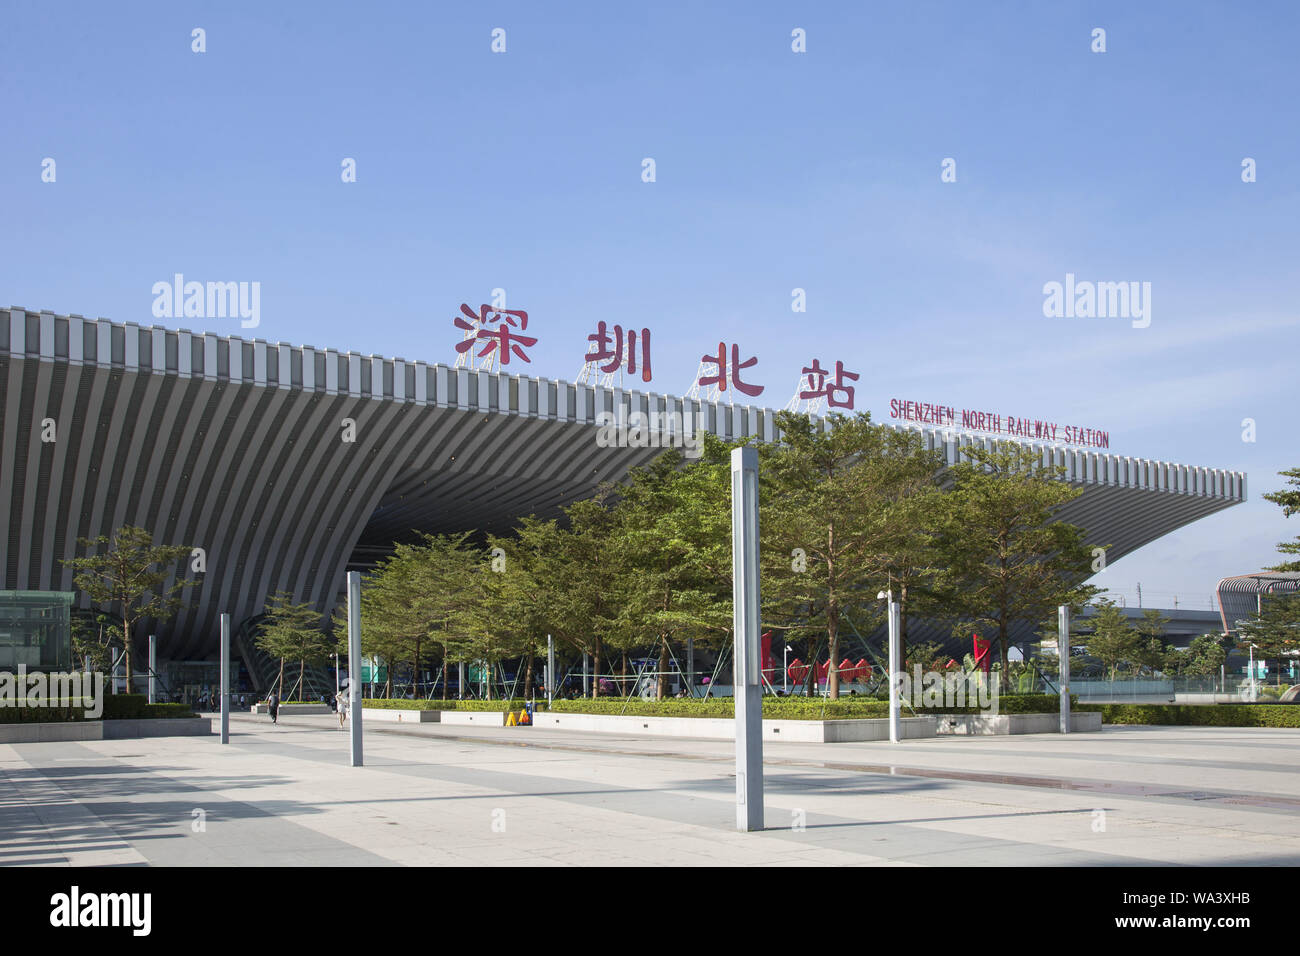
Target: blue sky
{"points": [[774, 170]]}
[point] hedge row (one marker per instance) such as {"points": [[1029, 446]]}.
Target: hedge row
{"points": [[116, 707], [778, 708], [1204, 715], [137, 707], [382, 703]]}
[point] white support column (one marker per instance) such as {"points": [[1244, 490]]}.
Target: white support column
{"points": [[153, 668], [895, 670], [354, 662], [225, 678], [745, 627], [550, 670], [1063, 651], [76, 339]]}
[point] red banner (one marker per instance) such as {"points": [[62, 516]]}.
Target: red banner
{"points": [[983, 653]]}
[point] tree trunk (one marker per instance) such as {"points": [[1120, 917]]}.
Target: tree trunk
{"points": [[622, 683], [902, 623], [1005, 683], [662, 688], [810, 679], [126, 647], [832, 620], [528, 676], [833, 646], [302, 673], [279, 692], [595, 668], [415, 691], [487, 664]]}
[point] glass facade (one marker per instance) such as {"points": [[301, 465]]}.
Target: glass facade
{"points": [[36, 630]]}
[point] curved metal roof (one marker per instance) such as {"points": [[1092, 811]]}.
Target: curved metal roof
{"points": [[1239, 594], [238, 447]]}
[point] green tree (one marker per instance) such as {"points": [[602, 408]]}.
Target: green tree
{"points": [[292, 632], [1114, 639], [671, 542], [840, 521], [1203, 657], [127, 576], [94, 640], [1152, 650], [425, 596], [1274, 629], [1289, 499], [569, 581], [1008, 558]]}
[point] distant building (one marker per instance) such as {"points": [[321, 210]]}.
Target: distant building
{"points": [[1242, 595]]}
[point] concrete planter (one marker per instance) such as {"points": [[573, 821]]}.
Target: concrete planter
{"points": [[293, 710], [480, 718], [1008, 724], [105, 730], [385, 715], [724, 728], [161, 727], [51, 732]]}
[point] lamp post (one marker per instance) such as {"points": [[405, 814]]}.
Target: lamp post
{"points": [[225, 678], [895, 672], [354, 664], [746, 627], [1063, 654], [894, 616]]}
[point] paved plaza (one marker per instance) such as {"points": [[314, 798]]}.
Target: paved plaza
{"points": [[434, 795]]}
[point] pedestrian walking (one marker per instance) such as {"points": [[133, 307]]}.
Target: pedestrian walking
{"points": [[273, 705], [341, 705]]}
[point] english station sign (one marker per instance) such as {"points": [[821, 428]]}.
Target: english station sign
{"points": [[1013, 426]]}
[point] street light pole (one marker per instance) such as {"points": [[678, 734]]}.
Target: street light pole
{"points": [[895, 670], [225, 678], [745, 626], [354, 663], [1063, 653]]}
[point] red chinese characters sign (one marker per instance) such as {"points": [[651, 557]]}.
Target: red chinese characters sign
{"points": [[721, 379], [609, 349], [836, 393], [499, 339]]}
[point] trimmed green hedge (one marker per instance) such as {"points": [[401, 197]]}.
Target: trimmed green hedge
{"points": [[116, 707], [296, 703], [1202, 715], [137, 707], [383, 703], [774, 708], [42, 715]]}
